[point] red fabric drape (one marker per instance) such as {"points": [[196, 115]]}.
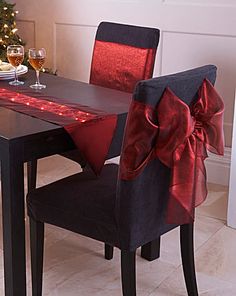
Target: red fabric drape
{"points": [[179, 140]]}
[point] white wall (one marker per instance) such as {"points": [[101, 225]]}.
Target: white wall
{"points": [[193, 33]]}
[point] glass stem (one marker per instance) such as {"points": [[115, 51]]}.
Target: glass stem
{"points": [[16, 78], [37, 77]]}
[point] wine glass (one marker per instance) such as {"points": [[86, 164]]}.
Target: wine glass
{"points": [[36, 60], [15, 56]]}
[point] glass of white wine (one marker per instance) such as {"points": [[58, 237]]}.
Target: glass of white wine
{"points": [[37, 59], [15, 56]]}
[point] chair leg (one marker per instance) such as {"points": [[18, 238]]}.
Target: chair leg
{"points": [[151, 250], [31, 174], [128, 273], [36, 248], [187, 253], [108, 252]]}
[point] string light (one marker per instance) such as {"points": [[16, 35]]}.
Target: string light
{"points": [[14, 30]]}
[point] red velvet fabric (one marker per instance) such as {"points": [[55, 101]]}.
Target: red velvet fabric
{"points": [[179, 140], [84, 125], [120, 66]]}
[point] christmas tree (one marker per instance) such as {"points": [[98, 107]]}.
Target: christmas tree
{"points": [[8, 29]]}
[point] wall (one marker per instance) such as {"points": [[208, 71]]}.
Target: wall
{"points": [[193, 33]]}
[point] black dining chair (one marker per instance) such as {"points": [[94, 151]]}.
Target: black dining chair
{"points": [[127, 205], [122, 56]]}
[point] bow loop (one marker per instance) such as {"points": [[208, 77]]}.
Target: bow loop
{"points": [[139, 140]]}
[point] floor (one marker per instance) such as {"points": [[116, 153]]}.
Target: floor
{"points": [[74, 265]]}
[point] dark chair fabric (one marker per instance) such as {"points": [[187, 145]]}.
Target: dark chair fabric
{"points": [[74, 204], [137, 214], [123, 55], [123, 213], [95, 199]]}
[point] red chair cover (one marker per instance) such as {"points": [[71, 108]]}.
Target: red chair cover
{"points": [[179, 140], [120, 66]]}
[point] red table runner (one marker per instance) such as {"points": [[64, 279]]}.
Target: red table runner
{"points": [[91, 130]]}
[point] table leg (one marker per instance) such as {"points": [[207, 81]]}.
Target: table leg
{"points": [[12, 174], [32, 174]]}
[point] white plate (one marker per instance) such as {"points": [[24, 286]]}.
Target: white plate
{"points": [[22, 69], [8, 71]]}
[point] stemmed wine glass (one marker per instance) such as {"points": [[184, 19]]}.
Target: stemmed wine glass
{"points": [[15, 56], [36, 60]]}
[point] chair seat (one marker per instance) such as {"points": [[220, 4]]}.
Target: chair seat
{"points": [[94, 198]]}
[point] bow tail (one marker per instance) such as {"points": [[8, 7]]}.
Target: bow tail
{"points": [[188, 183]]}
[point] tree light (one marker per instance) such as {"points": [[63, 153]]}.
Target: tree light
{"points": [[14, 30], [8, 28]]}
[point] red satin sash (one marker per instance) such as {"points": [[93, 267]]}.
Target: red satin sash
{"points": [[120, 66], [91, 130], [179, 140]]}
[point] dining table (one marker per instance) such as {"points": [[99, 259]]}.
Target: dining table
{"points": [[25, 138]]}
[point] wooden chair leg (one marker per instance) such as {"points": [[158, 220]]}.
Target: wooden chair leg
{"points": [[108, 252], [36, 248], [31, 174], [151, 250], [187, 253], [128, 273]]}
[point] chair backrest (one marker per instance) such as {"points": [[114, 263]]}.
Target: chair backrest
{"points": [[123, 55], [142, 201]]}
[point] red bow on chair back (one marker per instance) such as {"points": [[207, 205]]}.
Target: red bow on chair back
{"points": [[179, 140]]}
